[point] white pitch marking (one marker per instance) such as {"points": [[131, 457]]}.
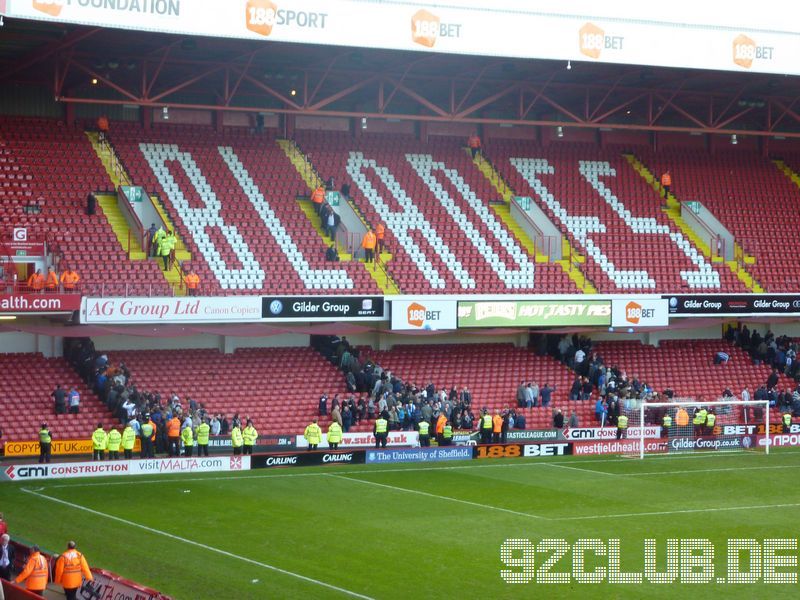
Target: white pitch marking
{"points": [[672, 512], [437, 496], [199, 545]]}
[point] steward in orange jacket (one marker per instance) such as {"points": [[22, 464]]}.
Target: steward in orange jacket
{"points": [[474, 143], [71, 569], [497, 428], [174, 436], [36, 281], [36, 573], [368, 244], [318, 197], [69, 279], [441, 421], [192, 281], [380, 232], [51, 283]]}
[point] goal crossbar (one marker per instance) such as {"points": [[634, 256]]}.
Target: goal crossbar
{"points": [[688, 403]]}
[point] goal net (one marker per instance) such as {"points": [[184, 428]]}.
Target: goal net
{"points": [[689, 425]]}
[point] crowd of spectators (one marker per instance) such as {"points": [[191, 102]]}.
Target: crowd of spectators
{"points": [[115, 386], [403, 404]]}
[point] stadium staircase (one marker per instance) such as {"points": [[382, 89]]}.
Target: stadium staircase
{"points": [[52, 167], [129, 242], [434, 202], [571, 266], [752, 198], [29, 379], [232, 197], [606, 211], [377, 270], [673, 211]]}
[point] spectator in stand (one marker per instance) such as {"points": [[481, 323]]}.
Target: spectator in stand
{"points": [[36, 281], [36, 573], [573, 420], [521, 395], [60, 397], [74, 402], [586, 389], [330, 224], [545, 394], [345, 190], [519, 421], [331, 255], [368, 244], [192, 280], [149, 235], [474, 143], [347, 418], [7, 554], [215, 425], [721, 358], [224, 425], [323, 405], [558, 419], [51, 282], [772, 380], [575, 390]]}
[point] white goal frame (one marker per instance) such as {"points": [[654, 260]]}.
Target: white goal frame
{"points": [[754, 403]]}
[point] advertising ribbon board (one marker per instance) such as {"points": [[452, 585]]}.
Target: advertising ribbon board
{"points": [[534, 313]]}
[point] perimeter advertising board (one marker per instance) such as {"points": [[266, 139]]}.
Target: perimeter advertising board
{"points": [[162, 310], [307, 459], [534, 313], [39, 303], [733, 305], [323, 308], [365, 440], [151, 466], [423, 314]]}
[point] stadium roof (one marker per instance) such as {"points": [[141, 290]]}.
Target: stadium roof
{"points": [[156, 69]]}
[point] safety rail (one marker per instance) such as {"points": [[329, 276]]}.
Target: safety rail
{"points": [[716, 243], [115, 164], [15, 286], [503, 186]]}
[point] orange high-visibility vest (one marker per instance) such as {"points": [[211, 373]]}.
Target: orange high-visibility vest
{"points": [[369, 241], [35, 574], [318, 196], [71, 568], [380, 230], [69, 279], [474, 141], [497, 421], [173, 427], [666, 179], [192, 280], [52, 280], [36, 281]]}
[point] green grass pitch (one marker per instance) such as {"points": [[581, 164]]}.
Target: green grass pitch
{"points": [[414, 531]]}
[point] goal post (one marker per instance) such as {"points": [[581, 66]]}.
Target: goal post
{"points": [[686, 436]]}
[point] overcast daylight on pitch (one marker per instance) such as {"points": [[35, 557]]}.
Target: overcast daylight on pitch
{"points": [[348, 298]]}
